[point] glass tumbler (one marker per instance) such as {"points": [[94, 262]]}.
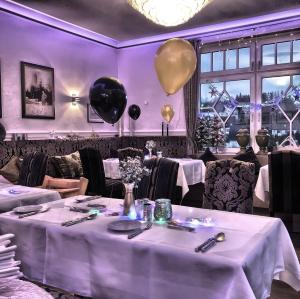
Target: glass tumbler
{"points": [[163, 209]]}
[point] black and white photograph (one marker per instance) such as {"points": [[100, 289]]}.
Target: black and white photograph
{"points": [[92, 116], [37, 87]]}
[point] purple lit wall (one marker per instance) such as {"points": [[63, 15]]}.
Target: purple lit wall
{"points": [[77, 63], [136, 71]]}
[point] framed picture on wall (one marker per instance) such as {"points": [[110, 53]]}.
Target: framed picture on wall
{"points": [[92, 116], [37, 88]]}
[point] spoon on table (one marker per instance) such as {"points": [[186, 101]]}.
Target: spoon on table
{"points": [[220, 237]]}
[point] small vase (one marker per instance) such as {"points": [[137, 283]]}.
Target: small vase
{"points": [[129, 208], [243, 138], [150, 153], [262, 139]]}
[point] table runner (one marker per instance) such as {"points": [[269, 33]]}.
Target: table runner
{"points": [[160, 263]]}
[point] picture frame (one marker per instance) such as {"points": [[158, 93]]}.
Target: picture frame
{"points": [[37, 91], [92, 116]]}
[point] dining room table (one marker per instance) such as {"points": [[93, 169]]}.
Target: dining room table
{"points": [[90, 260], [190, 171], [12, 196]]}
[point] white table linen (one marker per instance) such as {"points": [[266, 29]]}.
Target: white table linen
{"points": [[262, 185], [160, 263], [12, 196], [190, 171]]}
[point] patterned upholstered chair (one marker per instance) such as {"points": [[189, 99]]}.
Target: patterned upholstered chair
{"points": [[229, 186], [132, 152], [33, 169], [93, 170], [162, 181]]}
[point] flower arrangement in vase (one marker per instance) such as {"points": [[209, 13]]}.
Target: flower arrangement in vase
{"points": [[132, 172], [150, 145]]}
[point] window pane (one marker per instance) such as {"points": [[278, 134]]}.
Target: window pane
{"points": [[230, 59], [206, 62], [296, 129], [244, 58], [268, 57], [273, 93], [210, 92], [239, 92], [283, 52], [218, 61], [296, 50]]}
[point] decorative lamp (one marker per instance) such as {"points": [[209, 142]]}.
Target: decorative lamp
{"points": [[75, 99], [168, 12]]}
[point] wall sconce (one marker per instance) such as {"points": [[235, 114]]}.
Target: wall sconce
{"points": [[75, 99]]}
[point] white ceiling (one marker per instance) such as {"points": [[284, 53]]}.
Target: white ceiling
{"points": [[117, 20]]}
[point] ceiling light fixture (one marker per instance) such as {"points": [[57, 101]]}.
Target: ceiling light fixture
{"points": [[168, 12]]}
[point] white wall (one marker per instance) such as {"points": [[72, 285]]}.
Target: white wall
{"points": [[136, 71], [77, 63]]}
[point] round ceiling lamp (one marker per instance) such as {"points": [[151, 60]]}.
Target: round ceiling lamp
{"points": [[168, 12]]}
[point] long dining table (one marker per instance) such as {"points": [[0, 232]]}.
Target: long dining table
{"points": [[89, 260]]}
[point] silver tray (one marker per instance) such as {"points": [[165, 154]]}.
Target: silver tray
{"points": [[124, 225]]}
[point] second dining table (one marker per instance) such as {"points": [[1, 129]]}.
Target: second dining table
{"points": [[190, 171], [89, 260]]}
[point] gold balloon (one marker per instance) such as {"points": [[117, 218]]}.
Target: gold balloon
{"points": [[175, 63], [167, 112]]}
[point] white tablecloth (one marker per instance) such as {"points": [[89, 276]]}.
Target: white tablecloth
{"points": [[12, 196], [158, 264], [190, 171], [262, 184]]}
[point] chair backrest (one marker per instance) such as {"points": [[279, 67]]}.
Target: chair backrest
{"points": [[143, 189], [162, 181], [229, 186], [33, 169], [132, 152], [66, 187], [93, 170], [284, 173]]}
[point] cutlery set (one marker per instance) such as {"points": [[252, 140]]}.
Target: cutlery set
{"points": [[79, 220]]}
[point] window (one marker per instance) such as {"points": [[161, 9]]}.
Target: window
{"points": [[252, 86]]}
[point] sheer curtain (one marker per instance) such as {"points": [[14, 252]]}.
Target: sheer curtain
{"points": [[191, 98]]}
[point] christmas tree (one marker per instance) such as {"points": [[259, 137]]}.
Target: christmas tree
{"points": [[202, 133], [217, 136]]}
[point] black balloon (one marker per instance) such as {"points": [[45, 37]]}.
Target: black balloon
{"points": [[108, 99], [2, 132], [134, 111]]}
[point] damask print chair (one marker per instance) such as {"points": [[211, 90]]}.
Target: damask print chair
{"points": [[33, 169], [132, 152], [229, 186]]}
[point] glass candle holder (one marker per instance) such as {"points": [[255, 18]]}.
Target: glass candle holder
{"points": [[163, 210]]}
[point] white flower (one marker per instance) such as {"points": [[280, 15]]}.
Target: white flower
{"points": [[132, 170]]}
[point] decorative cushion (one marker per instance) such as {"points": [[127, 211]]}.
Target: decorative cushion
{"points": [[208, 156], [11, 170], [249, 156], [68, 166]]}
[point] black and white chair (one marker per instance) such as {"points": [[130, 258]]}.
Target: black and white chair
{"points": [[33, 169], [93, 170]]}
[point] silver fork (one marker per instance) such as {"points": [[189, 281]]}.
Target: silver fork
{"points": [[139, 231]]}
